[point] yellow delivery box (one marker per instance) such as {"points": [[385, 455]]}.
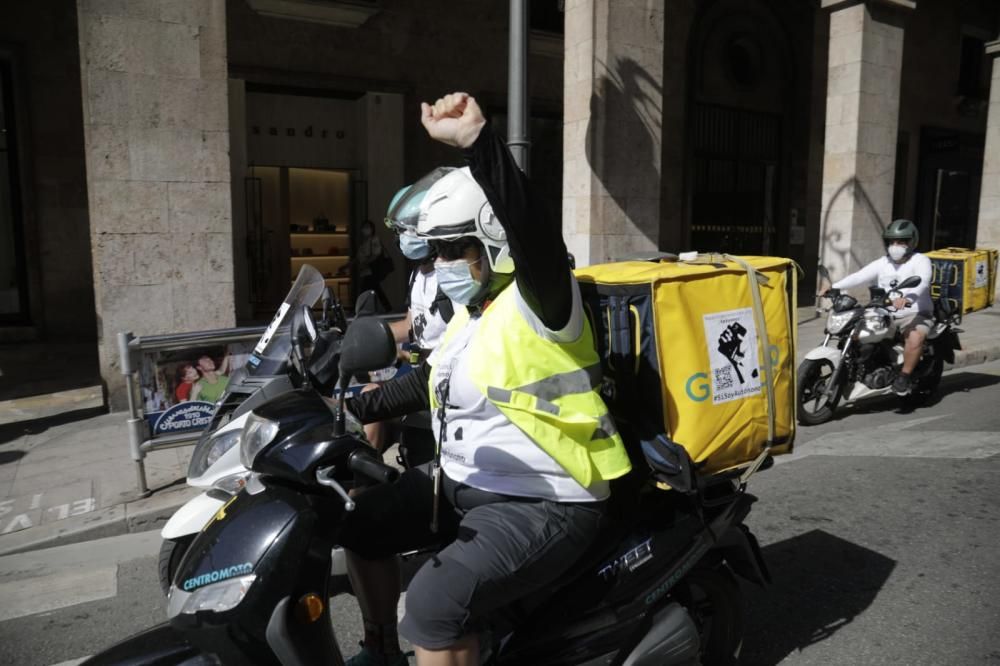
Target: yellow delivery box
{"points": [[698, 358], [965, 278]]}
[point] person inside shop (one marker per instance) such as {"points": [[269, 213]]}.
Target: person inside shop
{"points": [[372, 263], [526, 447], [914, 308]]}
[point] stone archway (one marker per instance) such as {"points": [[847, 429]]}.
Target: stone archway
{"points": [[740, 87]]}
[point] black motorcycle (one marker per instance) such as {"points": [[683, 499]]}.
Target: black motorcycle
{"points": [[658, 588]]}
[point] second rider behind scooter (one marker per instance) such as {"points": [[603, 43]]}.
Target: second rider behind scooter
{"points": [[428, 311], [527, 446]]}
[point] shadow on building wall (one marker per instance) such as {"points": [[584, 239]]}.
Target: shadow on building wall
{"points": [[839, 254], [622, 147]]}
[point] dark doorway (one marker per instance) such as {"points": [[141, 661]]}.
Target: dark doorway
{"points": [[948, 187], [13, 271], [737, 154], [737, 144]]}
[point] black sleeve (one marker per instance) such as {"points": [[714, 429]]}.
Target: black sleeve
{"points": [[396, 397], [533, 232]]}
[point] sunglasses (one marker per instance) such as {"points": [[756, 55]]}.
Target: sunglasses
{"points": [[453, 250]]}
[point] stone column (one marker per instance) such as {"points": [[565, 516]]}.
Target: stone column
{"points": [[613, 114], [988, 231], [156, 132], [862, 118]]}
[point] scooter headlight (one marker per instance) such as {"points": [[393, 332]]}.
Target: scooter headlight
{"points": [[206, 454], [836, 322], [217, 597], [257, 433]]}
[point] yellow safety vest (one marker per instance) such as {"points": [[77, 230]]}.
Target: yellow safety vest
{"points": [[548, 389]]}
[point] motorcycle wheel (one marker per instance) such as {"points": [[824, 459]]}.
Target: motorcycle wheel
{"points": [[814, 377], [926, 385], [713, 599], [171, 553]]}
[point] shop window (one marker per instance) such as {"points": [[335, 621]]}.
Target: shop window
{"points": [[13, 275]]}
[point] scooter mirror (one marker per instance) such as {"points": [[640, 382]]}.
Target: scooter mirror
{"points": [[368, 345], [909, 283], [366, 305]]}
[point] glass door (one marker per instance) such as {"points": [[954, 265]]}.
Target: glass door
{"points": [[298, 216]]}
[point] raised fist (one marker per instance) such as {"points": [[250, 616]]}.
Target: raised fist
{"points": [[455, 119]]}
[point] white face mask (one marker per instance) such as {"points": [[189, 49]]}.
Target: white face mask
{"points": [[456, 281], [897, 252]]}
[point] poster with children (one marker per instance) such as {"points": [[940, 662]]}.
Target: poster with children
{"points": [[180, 387]]}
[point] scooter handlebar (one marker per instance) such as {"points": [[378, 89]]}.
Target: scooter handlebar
{"points": [[368, 467]]}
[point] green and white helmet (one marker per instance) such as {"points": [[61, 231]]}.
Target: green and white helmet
{"points": [[901, 229], [404, 209]]}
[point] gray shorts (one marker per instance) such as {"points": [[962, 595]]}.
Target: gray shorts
{"points": [[914, 321], [496, 550]]}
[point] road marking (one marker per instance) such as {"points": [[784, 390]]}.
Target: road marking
{"points": [[902, 425], [877, 442], [26, 511], [57, 590]]}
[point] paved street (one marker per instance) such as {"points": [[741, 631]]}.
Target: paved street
{"points": [[880, 533]]}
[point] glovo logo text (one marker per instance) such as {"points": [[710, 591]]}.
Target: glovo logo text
{"points": [[699, 389]]}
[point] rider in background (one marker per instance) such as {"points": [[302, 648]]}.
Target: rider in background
{"points": [[914, 309], [428, 311], [526, 447]]}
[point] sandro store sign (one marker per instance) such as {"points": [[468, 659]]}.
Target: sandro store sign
{"points": [[308, 132]]}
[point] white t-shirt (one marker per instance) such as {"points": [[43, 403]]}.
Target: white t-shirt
{"points": [[428, 327], [883, 272], [482, 448]]}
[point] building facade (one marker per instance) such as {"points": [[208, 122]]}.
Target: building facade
{"points": [[169, 167]]}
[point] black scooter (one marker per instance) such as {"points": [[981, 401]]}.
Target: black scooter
{"points": [[658, 588]]}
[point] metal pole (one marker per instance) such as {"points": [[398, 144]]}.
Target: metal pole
{"points": [[135, 434], [518, 138]]}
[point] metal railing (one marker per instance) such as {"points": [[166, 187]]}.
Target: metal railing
{"points": [[130, 351]]}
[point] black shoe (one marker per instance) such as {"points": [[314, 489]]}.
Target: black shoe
{"points": [[902, 384]]}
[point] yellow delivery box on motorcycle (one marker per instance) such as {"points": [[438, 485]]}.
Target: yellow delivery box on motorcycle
{"points": [[967, 279], [697, 354]]}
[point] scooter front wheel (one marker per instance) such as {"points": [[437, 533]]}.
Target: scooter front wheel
{"points": [[171, 553], [814, 405]]}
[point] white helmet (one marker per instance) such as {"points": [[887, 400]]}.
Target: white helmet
{"points": [[456, 207]]}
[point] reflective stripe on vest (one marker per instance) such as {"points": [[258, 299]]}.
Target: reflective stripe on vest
{"points": [[547, 389]]}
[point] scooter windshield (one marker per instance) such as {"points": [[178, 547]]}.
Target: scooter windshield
{"points": [[271, 352]]}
